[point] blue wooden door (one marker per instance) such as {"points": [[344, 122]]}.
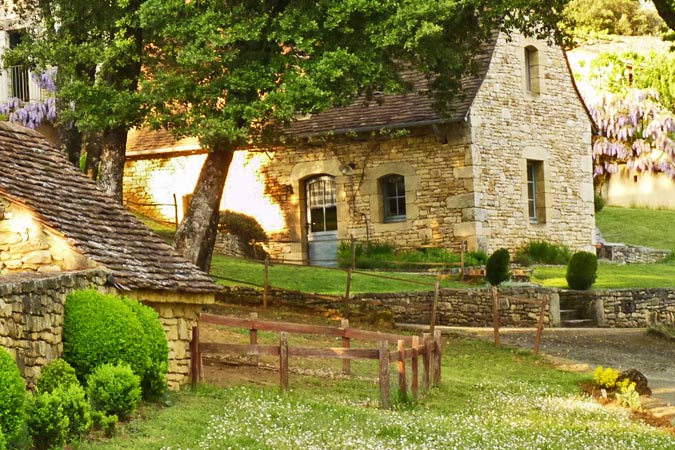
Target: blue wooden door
{"points": [[321, 221]]}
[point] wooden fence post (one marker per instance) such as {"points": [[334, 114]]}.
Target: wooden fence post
{"points": [[283, 360], [346, 343], [353, 248], [400, 367], [414, 387], [195, 357], [426, 362], [434, 308], [438, 355], [495, 314], [385, 397], [266, 281], [253, 334], [175, 211], [349, 286], [540, 325]]}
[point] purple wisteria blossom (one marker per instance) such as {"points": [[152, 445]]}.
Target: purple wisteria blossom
{"points": [[33, 114]]}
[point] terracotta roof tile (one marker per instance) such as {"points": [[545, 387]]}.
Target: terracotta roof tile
{"points": [[36, 175]]}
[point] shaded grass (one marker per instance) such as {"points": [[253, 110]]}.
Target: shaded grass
{"points": [[490, 398], [321, 280], [613, 276]]}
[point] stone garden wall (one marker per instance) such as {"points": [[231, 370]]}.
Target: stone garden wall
{"points": [[631, 254], [31, 315]]}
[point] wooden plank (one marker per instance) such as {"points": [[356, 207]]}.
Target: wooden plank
{"points": [[414, 365], [298, 328], [438, 358], [238, 349], [426, 361], [385, 396], [226, 321], [333, 352], [283, 360], [375, 336], [266, 280], [347, 289], [540, 325], [434, 307], [400, 367]]}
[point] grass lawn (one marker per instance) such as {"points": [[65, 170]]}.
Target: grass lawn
{"points": [[320, 280], [613, 276], [637, 226], [489, 399]]}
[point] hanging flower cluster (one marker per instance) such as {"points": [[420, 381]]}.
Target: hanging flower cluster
{"points": [[635, 130], [33, 114]]}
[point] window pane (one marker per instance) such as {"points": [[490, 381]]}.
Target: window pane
{"points": [[393, 197], [331, 219]]}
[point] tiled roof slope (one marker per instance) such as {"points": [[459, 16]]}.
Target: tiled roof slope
{"points": [[36, 175], [398, 110]]}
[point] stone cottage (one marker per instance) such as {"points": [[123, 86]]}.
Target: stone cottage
{"points": [[53, 220], [511, 164]]}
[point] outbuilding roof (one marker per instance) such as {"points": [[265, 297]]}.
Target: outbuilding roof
{"points": [[35, 175]]}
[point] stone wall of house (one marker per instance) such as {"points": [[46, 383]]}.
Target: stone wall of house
{"points": [[31, 315], [549, 125], [624, 308], [518, 306], [28, 246], [632, 254]]}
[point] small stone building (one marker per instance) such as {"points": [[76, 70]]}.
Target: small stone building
{"points": [[512, 163], [53, 220]]}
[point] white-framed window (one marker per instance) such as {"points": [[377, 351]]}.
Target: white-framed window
{"points": [[532, 70], [393, 198], [536, 198]]}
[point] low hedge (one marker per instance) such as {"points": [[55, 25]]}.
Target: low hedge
{"points": [[12, 397]]}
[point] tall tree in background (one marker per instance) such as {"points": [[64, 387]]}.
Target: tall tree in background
{"points": [[666, 9], [233, 73], [621, 17], [96, 46]]}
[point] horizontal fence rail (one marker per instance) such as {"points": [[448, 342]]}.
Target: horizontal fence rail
{"points": [[409, 348]]}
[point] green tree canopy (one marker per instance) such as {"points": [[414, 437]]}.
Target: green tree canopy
{"points": [[622, 17]]}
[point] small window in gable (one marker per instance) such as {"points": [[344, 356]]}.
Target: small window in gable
{"points": [[393, 198], [532, 70]]}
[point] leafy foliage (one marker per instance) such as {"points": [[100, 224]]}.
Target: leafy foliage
{"points": [[57, 374], [605, 377], [114, 390], [542, 252], [46, 420], [3, 442], [582, 271], [658, 73], [76, 407], [598, 202], [242, 225], [497, 267], [12, 396], [101, 328], [622, 17], [34, 113]]}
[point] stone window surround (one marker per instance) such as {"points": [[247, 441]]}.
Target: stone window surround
{"points": [[532, 67], [372, 188], [536, 154]]}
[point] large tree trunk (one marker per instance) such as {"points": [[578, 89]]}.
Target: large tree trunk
{"points": [[196, 234], [666, 9], [94, 146], [111, 171], [71, 142]]}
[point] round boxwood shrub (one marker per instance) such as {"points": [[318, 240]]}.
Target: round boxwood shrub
{"points": [[582, 271], [242, 225], [46, 421], [114, 390], [57, 374], [497, 267], [76, 407], [153, 381], [101, 329], [12, 396]]}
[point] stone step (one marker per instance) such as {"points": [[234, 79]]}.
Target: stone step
{"points": [[579, 323]]}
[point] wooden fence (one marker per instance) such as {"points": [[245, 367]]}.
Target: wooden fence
{"points": [[408, 348], [543, 303]]}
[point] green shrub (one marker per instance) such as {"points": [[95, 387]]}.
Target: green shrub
{"points": [[246, 227], [497, 267], [475, 258], [582, 271], [627, 395], [12, 396], [599, 202], [105, 422], [540, 252], [101, 329], [153, 381], [605, 377], [76, 408], [57, 374], [47, 423], [114, 389], [3, 443]]}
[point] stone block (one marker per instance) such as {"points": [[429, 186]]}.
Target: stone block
{"points": [[460, 201], [10, 237]]}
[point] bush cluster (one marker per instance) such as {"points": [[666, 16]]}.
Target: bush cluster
{"points": [[582, 271], [100, 329], [114, 390], [56, 374], [497, 267], [242, 225], [12, 397], [46, 420], [541, 252]]}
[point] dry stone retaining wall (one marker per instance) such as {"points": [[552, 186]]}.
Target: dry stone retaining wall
{"points": [[31, 315], [631, 254]]}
